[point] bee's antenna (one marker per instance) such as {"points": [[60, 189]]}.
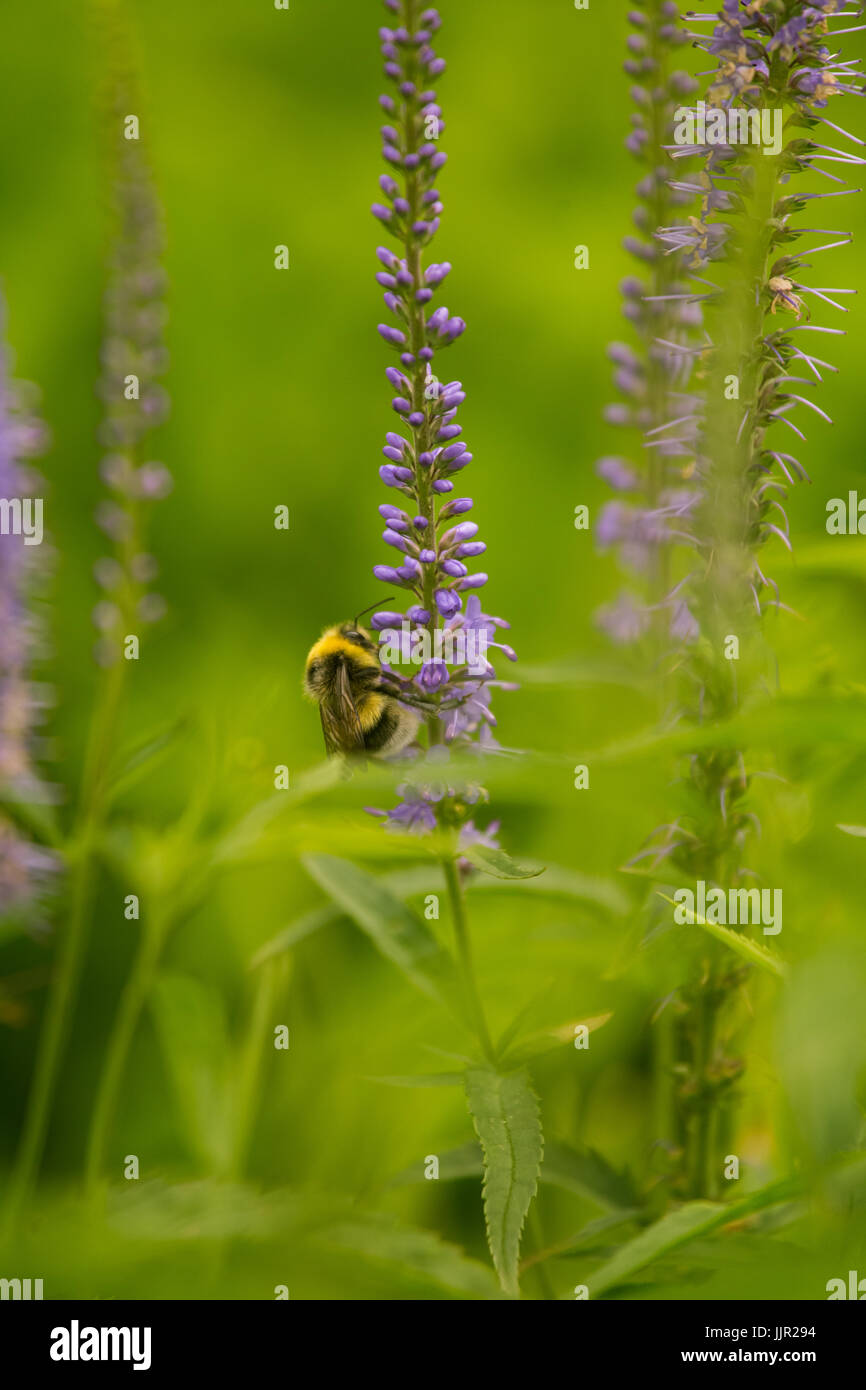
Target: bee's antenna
{"points": [[377, 604]]}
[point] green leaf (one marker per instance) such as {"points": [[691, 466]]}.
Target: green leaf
{"points": [[587, 1174], [191, 1027], [558, 882], [504, 1109], [677, 1228], [498, 863], [379, 1237], [551, 1039], [858, 830], [584, 1173], [750, 950], [594, 1235], [395, 930]]}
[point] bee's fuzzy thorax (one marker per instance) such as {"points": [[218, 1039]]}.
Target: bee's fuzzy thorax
{"points": [[357, 651], [334, 641]]}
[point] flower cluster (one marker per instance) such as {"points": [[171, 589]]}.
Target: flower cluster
{"points": [[428, 528], [653, 381], [737, 260], [772, 57], [134, 358], [25, 867]]}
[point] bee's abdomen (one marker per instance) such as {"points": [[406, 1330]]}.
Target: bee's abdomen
{"points": [[393, 730]]}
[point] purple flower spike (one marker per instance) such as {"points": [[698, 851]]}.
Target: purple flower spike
{"points": [[26, 869], [387, 573], [391, 335], [384, 619], [432, 676], [452, 690], [447, 602]]}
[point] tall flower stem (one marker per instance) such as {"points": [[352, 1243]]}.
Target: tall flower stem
{"points": [[65, 980], [699, 1165], [132, 1000], [464, 955], [271, 975]]}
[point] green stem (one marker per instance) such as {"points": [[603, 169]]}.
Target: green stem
{"points": [[544, 1281], [62, 993], [132, 1001], [464, 952], [251, 1067], [704, 1126]]}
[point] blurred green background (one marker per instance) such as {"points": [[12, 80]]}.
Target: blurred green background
{"points": [[262, 126]]}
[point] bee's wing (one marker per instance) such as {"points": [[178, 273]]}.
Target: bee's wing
{"points": [[341, 723]]}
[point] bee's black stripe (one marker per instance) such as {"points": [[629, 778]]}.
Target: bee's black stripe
{"points": [[384, 729]]}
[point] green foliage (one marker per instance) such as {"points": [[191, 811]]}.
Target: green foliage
{"points": [[255, 1160], [191, 1024], [751, 951], [678, 1228], [498, 863], [507, 1119], [394, 930]]}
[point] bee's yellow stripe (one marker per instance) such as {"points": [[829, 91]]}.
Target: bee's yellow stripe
{"points": [[370, 710], [333, 641]]}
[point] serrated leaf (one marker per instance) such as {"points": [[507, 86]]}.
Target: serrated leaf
{"points": [[498, 863], [392, 927], [505, 1112], [584, 1173], [677, 1228], [750, 950]]}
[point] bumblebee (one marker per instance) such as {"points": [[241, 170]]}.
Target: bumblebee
{"points": [[360, 714]]}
